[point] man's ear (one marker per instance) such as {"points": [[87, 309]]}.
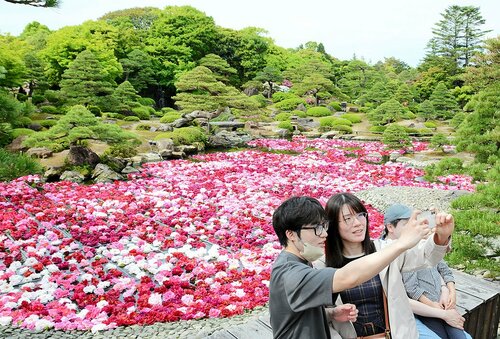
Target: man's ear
{"points": [[390, 228], [291, 235]]}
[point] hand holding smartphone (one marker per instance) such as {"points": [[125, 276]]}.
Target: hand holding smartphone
{"points": [[430, 216]]}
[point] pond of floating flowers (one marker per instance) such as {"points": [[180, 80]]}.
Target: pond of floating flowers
{"points": [[184, 239]]}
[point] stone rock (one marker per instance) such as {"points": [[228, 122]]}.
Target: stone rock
{"points": [[72, 176], [165, 128], [150, 157], [177, 155], [80, 155], [103, 173], [153, 129], [251, 91], [283, 133], [129, 169], [352, 109], [307, 124], [180, 122], [187, 149], [39, 152], [301, 107], [116, 164], [198, 114], [52, 174], [165, 144], [35, 127], [166, 153], [17, 144], [227, 139], [330, 135], [394, 156], [228, 125]]}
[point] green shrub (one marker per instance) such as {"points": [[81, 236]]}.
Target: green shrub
{"points": [[184, 136], [298, 113], [318, 112], [333, 121], [47, 123], [13, 165], [131, 118], [50, 110], [365, 109], [146, 102], [124, 150], [22, 122], [377, 129], [457, 119], [224, 116], [169, 118], [260, 99], [430, 124], [21, 97], [424, 131], [144, 127], [5, 134], [335, 105], [142, 112], [95, 110], [477, 171], [53, 97], [396, 137], [286, 125], [342, 128], [450, 165], [114, 115], [37, 99], [354, 118], [16, 132], [289, 104], [280, 96], [166, 110], [409, 115], [283, 116]]}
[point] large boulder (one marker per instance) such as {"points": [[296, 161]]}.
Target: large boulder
{"points": [[39, 152], [81, 155], [227, 139], [17, 144], [251, 91], [72, 176], [52, 174], [103, 173]]}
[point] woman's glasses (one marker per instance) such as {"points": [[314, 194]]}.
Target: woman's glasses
{"points": [[361, 217]]}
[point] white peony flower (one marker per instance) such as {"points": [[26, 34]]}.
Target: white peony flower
{"points": [[155, 299]]}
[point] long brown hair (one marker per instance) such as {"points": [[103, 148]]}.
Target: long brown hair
{"points": [[334, 246]]}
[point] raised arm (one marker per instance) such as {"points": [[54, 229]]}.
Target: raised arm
{"points": [[360, 270]]}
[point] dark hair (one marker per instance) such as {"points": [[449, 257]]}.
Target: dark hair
{"points": [[334, 245], [294, 213]]}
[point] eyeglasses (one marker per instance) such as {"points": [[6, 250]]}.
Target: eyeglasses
{"points": [[318, 228], [361, 217]]}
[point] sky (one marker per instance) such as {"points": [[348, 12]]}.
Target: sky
{"points": [[368, 29]]}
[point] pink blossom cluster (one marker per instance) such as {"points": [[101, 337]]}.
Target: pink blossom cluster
{"points": [[183, 239]]}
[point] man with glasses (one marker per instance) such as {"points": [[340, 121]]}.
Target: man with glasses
{"points": [[298, 292]]}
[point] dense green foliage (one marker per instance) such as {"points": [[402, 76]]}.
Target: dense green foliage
{"points": [[396, 137], [13, 166]]}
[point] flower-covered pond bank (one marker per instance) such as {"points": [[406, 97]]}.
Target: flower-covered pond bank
{"points": [[183, 239]]}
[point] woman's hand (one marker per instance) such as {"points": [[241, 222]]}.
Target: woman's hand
{"points": [[454, 319]]}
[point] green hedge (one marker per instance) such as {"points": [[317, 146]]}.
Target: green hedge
{"points": [[318, 112], [16, 132], [169, 118], [298, 113], [184, 136], [354, 118], [333, 121], [142, 112], [286, 125], [290, 104], [280, 96], [283, 116], [131, 118]]}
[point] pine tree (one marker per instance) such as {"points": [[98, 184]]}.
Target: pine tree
{"points": [[84, 82], [445, 104], [389, 111], [396, 137], [126, 97], [426, 110], [458, 35]]}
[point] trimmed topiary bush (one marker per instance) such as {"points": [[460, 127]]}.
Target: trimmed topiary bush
{"points": [[342, 128], [335, 106], [50, 110], [169, 118], [144, 127], [146, 102], [396, 137], [354, 118], [142, 112], [131, 118], [377, 129], [283, 116], [286, 125], [16, 132], [47, 123], [290, 104], [260, 99], [430, 124], [166, 110], [298, 113], [333, 121], [184, 136], [318, 112], [280, 96]]}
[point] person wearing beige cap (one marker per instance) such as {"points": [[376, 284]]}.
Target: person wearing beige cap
{"points": [[432, 290]]}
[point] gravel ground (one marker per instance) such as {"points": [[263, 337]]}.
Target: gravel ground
{"points": [[380, 198]]}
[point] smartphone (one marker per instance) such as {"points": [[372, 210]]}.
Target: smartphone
{"points": [[430, 216]]}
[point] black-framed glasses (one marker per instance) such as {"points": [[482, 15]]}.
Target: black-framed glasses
{"points": [[361, 217], [318, 228]]}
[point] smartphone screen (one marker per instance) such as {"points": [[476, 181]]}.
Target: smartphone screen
{"points": [[430, 216]]}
